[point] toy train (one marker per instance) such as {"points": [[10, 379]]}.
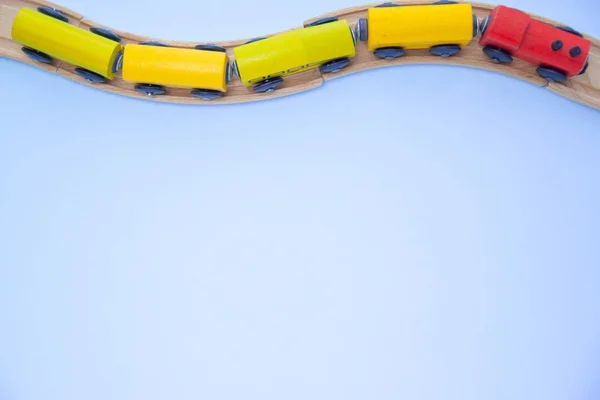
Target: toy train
{"points": [[560, 52], [329, 44]]}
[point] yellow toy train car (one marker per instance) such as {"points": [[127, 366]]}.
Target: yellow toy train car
{"points": [[46, 34], [328, 44], [443, 27], [153, 67]]}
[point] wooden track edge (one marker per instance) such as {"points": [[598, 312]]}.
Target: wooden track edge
{"points": [[583, 89]]}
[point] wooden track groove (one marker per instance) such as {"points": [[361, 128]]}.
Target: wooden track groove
{"points": [[584, 89]]}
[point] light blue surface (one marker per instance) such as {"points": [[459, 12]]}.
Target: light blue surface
{"points": [[407, 233]]}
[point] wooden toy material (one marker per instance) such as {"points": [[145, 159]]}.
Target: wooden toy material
{"points": [[294, 51], [536, 42], [420, 27], [584, 88], [175, 67], [65, 42]]}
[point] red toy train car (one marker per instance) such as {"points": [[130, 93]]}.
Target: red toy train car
{"points": [[559, 52]]}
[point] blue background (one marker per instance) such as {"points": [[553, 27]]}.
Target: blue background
{"points": [[438, 239]]}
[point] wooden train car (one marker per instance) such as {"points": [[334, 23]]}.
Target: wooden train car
{"points": [[443, 28], [46, 34], [559, 52], [327, 44], [154, 67]]}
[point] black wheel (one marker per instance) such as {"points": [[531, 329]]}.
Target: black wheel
{"points": [[150, 90], [551, 74], [334, 66], [90, 76], [255, 40], [362, 29], [388, 5], [54, 13], [206, 94], [268, 85], [389, 53], [37, 56], [475, 25], [484, 25], [445, 50], [107, 33], [322, 21], [497, 55], [118, 63], [153, 43], [211, 47], [585, 67], [570, 30]]}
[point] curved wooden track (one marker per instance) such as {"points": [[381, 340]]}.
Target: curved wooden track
{"points": [[584, 89]]}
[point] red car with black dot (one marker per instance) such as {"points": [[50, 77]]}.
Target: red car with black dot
{"points": [[560, 52]]}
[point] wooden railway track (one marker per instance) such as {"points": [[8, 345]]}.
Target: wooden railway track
{"points": [[584, 89]]}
